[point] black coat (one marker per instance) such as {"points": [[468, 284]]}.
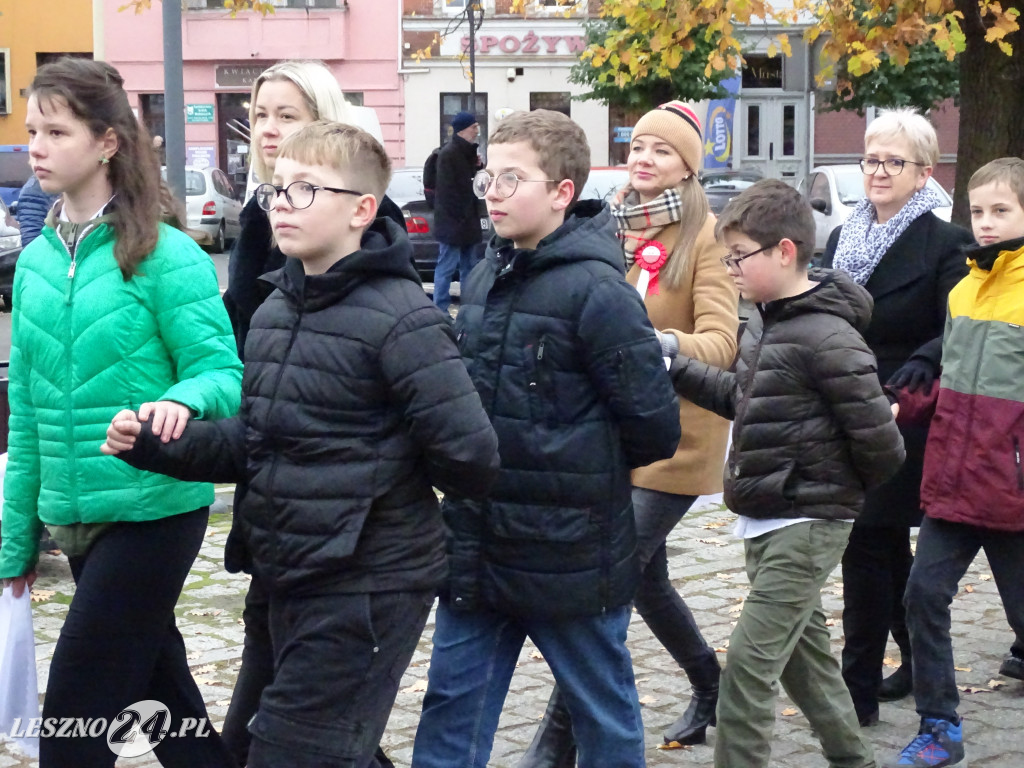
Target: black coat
{"points": [[812, 428], [456, 215], [568, 368], [355, 402], [254, 254], [910, 287]]}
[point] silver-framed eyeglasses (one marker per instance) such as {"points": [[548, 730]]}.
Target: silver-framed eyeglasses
{"points": [[891, 167], [505, 184], [299, 194]]}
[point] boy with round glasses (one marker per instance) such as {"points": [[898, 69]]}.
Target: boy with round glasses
{"points": [[568, 367], [811, 431], [355, 402]]}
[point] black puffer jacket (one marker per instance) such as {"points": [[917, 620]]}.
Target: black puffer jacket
{"points": [[355, 401], [811, 427], [568, 368], [456, 212]]}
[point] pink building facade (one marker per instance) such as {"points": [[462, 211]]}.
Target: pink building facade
{"points": [[222, 56]]}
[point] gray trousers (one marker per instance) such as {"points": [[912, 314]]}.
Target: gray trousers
{"points": [[781, 636]]}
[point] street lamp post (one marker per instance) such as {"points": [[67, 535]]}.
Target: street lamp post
{"points": [[174, 99]]}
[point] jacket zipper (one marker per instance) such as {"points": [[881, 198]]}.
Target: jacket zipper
{"points": [[1020, 470]]}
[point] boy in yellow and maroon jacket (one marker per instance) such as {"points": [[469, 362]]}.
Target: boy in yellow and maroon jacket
{"points": [[972, 490]]}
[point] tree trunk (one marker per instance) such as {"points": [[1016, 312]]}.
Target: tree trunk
{"points": [[991, 102]]}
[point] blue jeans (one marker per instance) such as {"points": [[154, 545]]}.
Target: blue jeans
{"points": [[449, 259], [945, 551], [474, 656]]}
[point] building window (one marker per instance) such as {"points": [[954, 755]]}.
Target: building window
{"points": [[760, 71], [355, 98], [151, 109], [556, 101], [452, 104], [5, 81]]}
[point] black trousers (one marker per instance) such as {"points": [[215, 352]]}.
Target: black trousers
{"points": [[876, 565], [338, 662], [120, 645]]}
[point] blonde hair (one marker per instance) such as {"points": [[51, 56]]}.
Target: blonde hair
{"points": [[351, 151], [319, 88], [561, 145], [694, 210], [906, 123], [1004, 170]]}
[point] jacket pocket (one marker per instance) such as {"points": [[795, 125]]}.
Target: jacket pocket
{"points": [[539, 381], [763, 494], [532, 522]]}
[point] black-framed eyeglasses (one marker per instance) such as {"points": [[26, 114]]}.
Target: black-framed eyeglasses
{"points": [[299, 194], [505, 184], [733, 262], [891, 167]]}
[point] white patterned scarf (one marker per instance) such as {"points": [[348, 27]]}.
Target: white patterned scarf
{"points": [[639, 222], [863, 242]]}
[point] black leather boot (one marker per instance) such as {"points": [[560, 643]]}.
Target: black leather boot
{"points": [[899, 684], [553, 745], [691, 728]]}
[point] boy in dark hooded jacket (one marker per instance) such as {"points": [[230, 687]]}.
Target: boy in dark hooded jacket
{"points": [[354, 403], [812, 430], [570, 371]]}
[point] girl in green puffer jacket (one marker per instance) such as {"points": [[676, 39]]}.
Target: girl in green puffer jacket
{"points": [[112, 310]]}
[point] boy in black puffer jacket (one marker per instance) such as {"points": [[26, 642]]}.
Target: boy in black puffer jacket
{"points": [[812, 430], [355, 401]]}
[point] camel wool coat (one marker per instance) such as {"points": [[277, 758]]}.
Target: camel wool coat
{"points": [[702, 314]]}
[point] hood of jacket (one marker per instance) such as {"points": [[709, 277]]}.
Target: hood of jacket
{"points": [[582, 236], [835, 294], [984, 256], [383, 250]]}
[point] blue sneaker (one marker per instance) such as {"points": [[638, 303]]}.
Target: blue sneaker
{"points": [[939, 744]]}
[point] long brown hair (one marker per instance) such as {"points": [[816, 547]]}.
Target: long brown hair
{"points": [[94, 92], [694, 206]]}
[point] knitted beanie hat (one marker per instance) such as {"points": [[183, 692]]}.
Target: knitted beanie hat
{"points": [[676, 124], [462, 121]]}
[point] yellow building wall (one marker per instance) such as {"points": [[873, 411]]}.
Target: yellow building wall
{"points": [[28, 27]]}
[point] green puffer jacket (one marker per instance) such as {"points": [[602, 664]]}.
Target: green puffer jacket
{"points": [[86, 344]]}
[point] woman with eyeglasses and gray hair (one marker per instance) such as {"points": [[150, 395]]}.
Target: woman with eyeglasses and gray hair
{"points": [[908, 259]]}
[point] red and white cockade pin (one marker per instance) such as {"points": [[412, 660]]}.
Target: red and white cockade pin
{"points": [[651, 256]]}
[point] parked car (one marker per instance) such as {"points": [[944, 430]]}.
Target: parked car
{"points": [[212, 208], [604, 182], [10, 249], [834, 190], [406, 190], [14, 172], [722, 185]]}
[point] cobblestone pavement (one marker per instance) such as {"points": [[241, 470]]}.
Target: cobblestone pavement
{"points": [[706, 563]]}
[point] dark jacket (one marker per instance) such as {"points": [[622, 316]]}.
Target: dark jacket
{"points": [[254, 254], [355, 402], [456, 216], [910, 287], [568, 368], [811, 426], [33, 206]]}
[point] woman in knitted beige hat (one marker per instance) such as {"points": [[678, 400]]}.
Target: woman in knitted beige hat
{"points": [[668, 235]]}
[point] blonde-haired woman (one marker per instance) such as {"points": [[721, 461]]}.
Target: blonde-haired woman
{"points": [[668, 236], [285, 97]]}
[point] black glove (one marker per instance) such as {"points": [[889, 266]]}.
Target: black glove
{"points": [[913, 375]]}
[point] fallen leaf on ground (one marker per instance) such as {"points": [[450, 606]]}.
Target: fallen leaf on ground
{"points": [[888, 661], [969, 588], [712, 541], [994, 684], [38, 595], [537, 655], [962, 669], [674, 745], [648, 700], [973, 689], [725, 575], [205, 670], [222, 703], [719, 524], [418, 687], [985, 577], [790, 711]]}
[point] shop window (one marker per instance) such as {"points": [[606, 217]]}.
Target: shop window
{"points": [[556, 101], [151, 112]]}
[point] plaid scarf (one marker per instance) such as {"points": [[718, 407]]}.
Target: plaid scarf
{"points": [[639, 222]]}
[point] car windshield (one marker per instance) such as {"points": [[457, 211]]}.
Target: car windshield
{"points": [[195, 183], [850, 188], [603, 183], [727, 181], [406, 185]]}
